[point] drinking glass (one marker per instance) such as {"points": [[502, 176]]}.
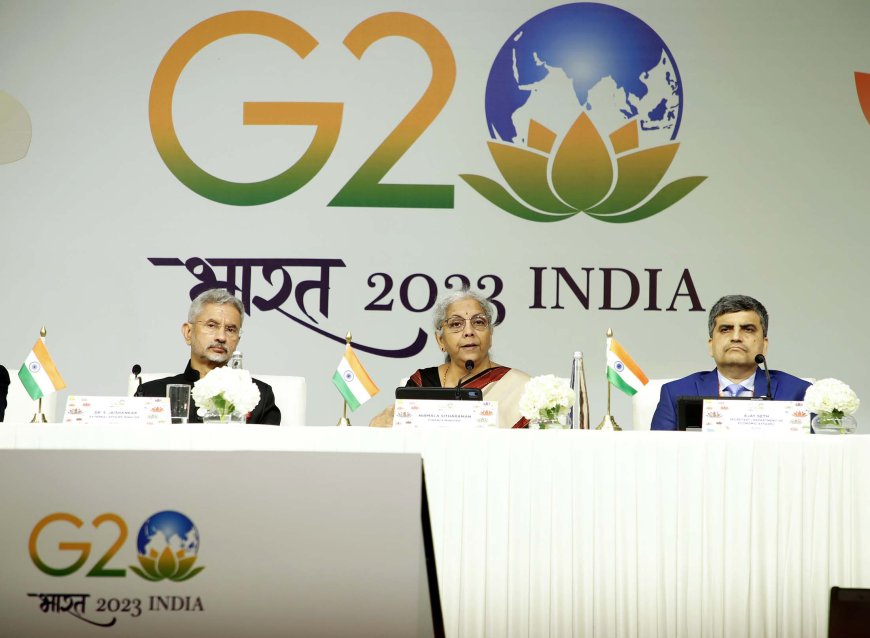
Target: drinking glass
{"points": [[179, 401]]}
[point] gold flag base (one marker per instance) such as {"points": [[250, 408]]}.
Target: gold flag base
{"points": [[609, 423], [343, 422], [39, 416]]}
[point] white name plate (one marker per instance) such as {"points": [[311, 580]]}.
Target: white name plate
{"points": [[83, 409], [426, 413], [755, 416]]}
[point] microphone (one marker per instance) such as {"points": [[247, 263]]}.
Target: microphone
{"points": [[760, 359], [469, 366], [136, 371]]}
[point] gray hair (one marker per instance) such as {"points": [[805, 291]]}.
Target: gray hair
{"points": [[737, 303], [217, 296], [439, 313]]}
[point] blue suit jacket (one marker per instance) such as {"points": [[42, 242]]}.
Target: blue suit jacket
{"points": [[783, 387]]}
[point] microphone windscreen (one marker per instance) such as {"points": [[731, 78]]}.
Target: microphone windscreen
{"points": [[759, 358], [469, 365], [137, 369]]}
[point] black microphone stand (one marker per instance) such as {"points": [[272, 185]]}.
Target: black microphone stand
{"points": [[760, 359]]}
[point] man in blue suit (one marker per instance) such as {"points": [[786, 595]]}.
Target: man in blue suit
{"points": [[738, 332]]}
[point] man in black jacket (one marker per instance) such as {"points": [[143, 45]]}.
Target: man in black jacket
{"points": [[212, 330], [4, 387]]}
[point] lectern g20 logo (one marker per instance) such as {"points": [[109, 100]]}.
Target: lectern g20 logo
{"points": [[167, 546]]}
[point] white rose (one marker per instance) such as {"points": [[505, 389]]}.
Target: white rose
{"points": [[545, 392], [829, 395], [236, 387]]}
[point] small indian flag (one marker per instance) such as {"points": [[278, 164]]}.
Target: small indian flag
{"points": [[352, 380], [622, 371], [39, 375]]}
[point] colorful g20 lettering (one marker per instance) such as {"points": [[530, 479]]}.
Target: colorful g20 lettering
{"points": [[167, 545]]}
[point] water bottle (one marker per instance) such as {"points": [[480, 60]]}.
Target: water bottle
{"points": [[236, 361], [579, 415]]}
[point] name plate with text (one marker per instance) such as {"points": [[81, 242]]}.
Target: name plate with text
{"points": [[85, 409], [425, 413], [721, 415]]}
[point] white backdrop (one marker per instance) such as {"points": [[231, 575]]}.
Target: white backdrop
{"points": [[770, 116]]}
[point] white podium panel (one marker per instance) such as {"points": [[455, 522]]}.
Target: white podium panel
{"points": [[146, 543]]}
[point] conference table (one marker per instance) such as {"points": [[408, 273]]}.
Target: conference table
{"points": [[579, 533]]}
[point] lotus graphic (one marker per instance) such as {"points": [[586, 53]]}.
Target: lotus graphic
{"points": [[167, 545], [605, 181], [862, 84], [583, 104]]}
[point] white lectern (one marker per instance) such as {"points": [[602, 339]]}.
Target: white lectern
{"points": [[149, 543]]}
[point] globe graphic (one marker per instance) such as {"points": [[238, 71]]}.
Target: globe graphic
{"points": [[584, 57], [168, 529]]}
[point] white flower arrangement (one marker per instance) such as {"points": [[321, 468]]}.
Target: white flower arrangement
{"points": [[546, 398], [832, 398], [225, 390]]}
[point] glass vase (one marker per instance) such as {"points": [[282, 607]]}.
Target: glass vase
{"points": [[549, 423], [826, 423], [230, 418]]}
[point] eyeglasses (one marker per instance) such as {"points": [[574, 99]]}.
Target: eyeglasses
{"points": [[456, 323], [213, 327]]}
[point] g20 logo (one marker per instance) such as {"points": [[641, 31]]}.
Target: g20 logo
{"points": [[167, 546], [583, 106]]}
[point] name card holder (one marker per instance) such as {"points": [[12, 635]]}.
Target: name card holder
{"points": [[426, 413], [85, 409], [783, 417]]}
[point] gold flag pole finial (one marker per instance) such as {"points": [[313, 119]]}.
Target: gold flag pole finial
{"points": [[608, 422], [43, 332], [344, 421]]}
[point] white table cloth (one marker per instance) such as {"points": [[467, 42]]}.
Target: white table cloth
{"points": [[561, 533]]}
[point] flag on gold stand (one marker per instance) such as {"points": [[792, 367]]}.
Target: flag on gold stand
{"points": [[622, 371], [352, 380], [38, 374]]}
